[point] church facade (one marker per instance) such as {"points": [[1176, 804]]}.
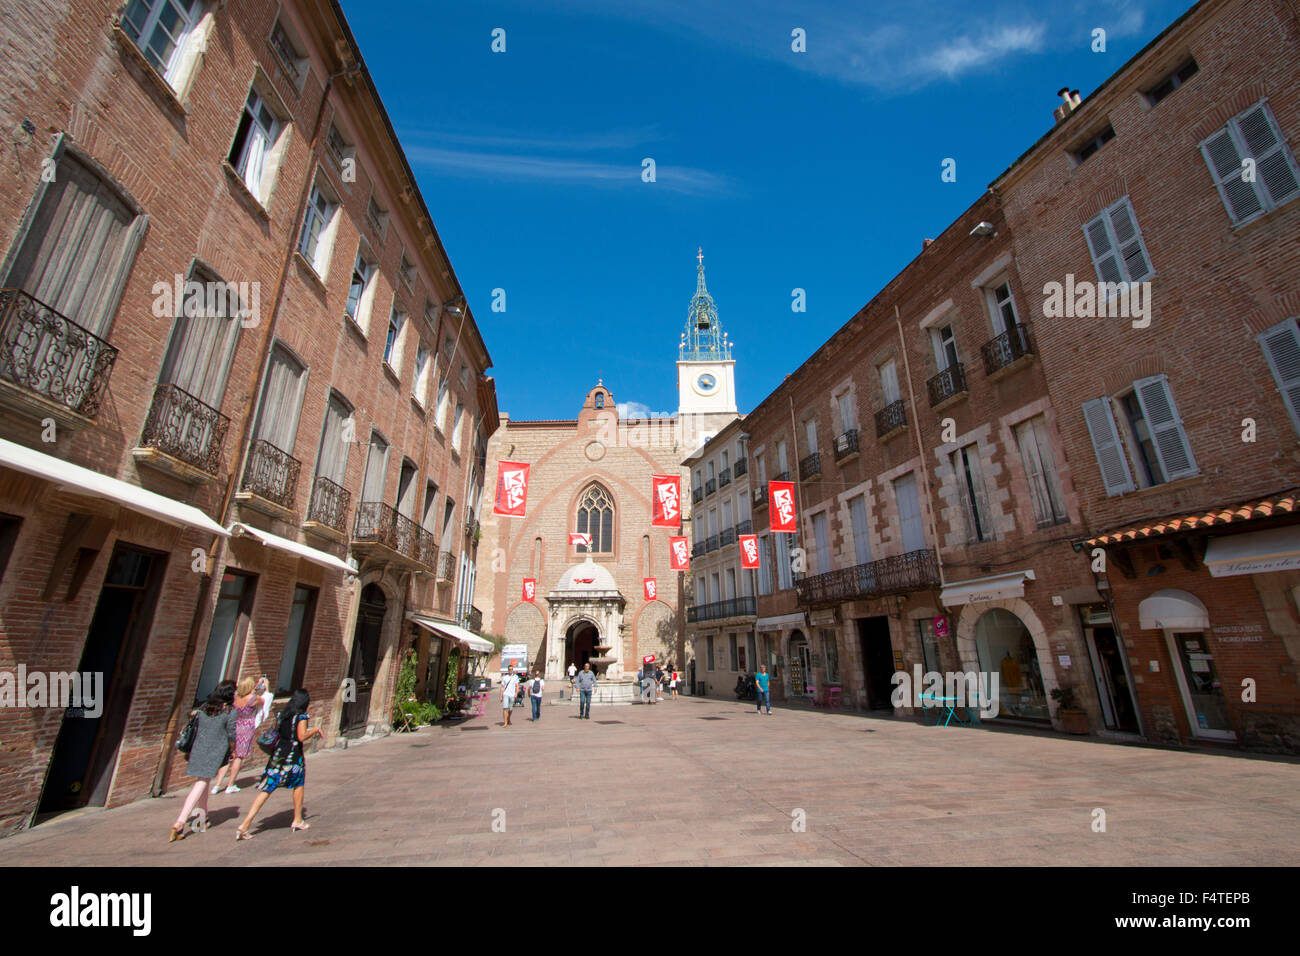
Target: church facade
{"points": [[614, 602]]}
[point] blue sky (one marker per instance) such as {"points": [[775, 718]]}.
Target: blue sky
{"points": [[816, 170]]}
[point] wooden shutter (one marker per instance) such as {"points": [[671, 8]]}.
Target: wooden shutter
{"points": [[1224, 159], [909, 513], [889, 382], [200, 351], [1034, 472], [1105, 442], [1167, 433], [1128, 239], [376, 468], [1281, 346], [822, 542], [861, 533], [333, 460], [1274, 166], [1102, 249], [406, 490]]}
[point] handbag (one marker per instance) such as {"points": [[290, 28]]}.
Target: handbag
{"points": [[268, 739], [185, 742]]}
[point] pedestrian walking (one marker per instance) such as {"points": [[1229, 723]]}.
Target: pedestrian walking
{"points": [[535, 687], [573, 672], [763, 698], [248, 714], [287, 766], [586, 683], [672, 680], [214, 735], [659, 682], [509, 690]]}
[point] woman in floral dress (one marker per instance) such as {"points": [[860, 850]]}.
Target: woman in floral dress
{"points": [[287, 766], [248, 704]]}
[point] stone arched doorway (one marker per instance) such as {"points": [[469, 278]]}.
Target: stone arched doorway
{"points": [[364, 666], [583, 645], [1005, 646]]}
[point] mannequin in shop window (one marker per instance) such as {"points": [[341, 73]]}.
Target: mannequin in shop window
{"points": [[1010, 672]]}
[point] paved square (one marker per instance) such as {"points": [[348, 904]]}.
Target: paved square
{"points": [[667, 785]]}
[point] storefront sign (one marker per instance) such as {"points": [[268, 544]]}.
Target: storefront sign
{"points": [[941, 626], [826, 616], [1239, 634], [1064, 659]]}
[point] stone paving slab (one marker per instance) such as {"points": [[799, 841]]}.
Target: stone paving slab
{"points": [[663, 787]]}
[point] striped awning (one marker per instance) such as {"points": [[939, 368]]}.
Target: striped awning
{"points": [[1272, 506]]}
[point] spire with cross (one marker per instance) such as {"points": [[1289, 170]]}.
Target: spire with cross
{"points": [[703, 339]]}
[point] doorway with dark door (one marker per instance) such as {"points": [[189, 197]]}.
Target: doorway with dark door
{"points": [[580, 644], [1110, 671], [85, 752], [365, 659], [877, 661]]}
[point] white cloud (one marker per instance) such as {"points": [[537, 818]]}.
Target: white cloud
{"points": [[966, 53], [633, 410]]}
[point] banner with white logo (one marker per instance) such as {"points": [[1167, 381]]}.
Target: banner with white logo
{"points": [[679, 554], [665, 501], [512, 489], [580, 537], [530, 589], [781, 506], [748, 550], [651, 589]]}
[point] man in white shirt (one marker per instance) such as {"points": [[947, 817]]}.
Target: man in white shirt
{"points": [[509, 688], [535, 687], [573, 672]]}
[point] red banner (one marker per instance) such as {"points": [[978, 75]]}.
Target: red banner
{"points": [[530, 589], [512, 489], [679, 554], [651, 589], [580, 537], [748, 550], [665, 501], [648, 659], [781, 506]]}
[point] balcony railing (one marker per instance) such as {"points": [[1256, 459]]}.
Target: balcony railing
{"points": [[914, 571], [891, 418], [724, 477], [760, 493], [49, 355], [378, 523], [697, 494], [329, 504], [185, 428], [741, 467], [446, 566], [726, 537], [745, 527], [1005, 349], [732, 607], [697, 549], [271, 473], [951, 381], [711, 543], [426, 548], [784, 476], [471, 618], [810, 466], [846, 444], [710, 487]]}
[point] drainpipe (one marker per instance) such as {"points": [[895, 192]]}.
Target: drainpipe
{"points": [[920, 449]]}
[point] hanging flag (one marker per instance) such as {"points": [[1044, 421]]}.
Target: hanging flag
{"points": [[580, 537], [665, 501], [651, 589], [748, 550], [512, 489], [679, 553], [530, 589], [781, 506]]}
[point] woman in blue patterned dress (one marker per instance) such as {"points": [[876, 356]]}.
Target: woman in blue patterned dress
{"points": [[287, 767]]}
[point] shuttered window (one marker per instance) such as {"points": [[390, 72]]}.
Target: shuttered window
{"points": [[1253, 135], [861, 533], [335, 442], [909, 513], [1040, 472], [1281, 346], [764, 569], [1115, 474], [376, 469], [1167, 434], [970, 482], [889, 382], [822, 540], [277, 422], [1115, 243], [203, 342], [406, 490], [254, 138]]}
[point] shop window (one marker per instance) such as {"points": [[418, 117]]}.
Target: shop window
{"points": [[229, 628], [709, 659], [831, 649], [1006, 648], [297, 641]]}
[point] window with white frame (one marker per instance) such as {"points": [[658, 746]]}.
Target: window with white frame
{"points": [[288, 51], [783, 462], [1040, 471], [969, 472], [377, 216], [1002, 307], [764, 570], [821, 538], [861, 529], [444, 400], [708, 661], [810, 435], [1153, 433], [162, 29], [252, 153], [848, 414], [782, 543], [1251, 164], [359, 298], [1115, 243], [420, 390], [392, 342], [1281, 345], [945, 347], [318, 227], [888, 372], [339, 147], [455, 425]]}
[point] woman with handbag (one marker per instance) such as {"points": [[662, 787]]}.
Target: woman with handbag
{"points": [[287, 766], [206, 741], [248, 710]]}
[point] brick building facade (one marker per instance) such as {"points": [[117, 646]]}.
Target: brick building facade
{"points": [[242, 397]]}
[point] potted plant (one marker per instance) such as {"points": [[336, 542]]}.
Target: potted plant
{"points": [[1074, 719]]}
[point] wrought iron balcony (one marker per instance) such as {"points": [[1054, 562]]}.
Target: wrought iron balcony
{"points": [[446, 566], [50, 357], [745, 527], [948, 383], [710, 487], [731, 607], [426, 548], [914, 571], [810, 466], [1007, 348], [697, 549], [329, 504], [697, 494], [891, 418], [760, 493], [726, 537], [384, 525], [711, 543], [471, 528], [471, 618], [185, 428], [846, 445], [271, 473], [784, 476], [724, 477], [741, 467]]}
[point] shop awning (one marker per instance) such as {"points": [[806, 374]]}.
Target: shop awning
{"points": [[998, 587], [323, 558], [780, 622], [66, 474], [1173, 609], [446, 629], [1277, 549], [1272, 506]]}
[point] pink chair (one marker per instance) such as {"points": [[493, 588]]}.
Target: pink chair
{"points": [[480, 704], [833, 697]]}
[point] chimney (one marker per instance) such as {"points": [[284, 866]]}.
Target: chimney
{"points": [[925, 244], [1069, 100]]}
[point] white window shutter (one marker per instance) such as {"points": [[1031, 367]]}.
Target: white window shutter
{"points": [[1167, 434], [1281, 346], [1137, 265], [1105, 442], [1274, 167], [1224, 159], [1102, 249]]}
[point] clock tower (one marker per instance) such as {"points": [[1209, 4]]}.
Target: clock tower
{"points": [[706, 373]]}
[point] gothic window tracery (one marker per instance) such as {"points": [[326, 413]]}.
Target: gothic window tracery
{"points": [[596, 518]]}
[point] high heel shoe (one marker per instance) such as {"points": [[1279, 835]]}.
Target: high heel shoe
{"points": [[300, 826], [177, 833], [242, 835]]}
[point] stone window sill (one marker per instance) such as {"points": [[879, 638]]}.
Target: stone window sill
{"points": [[153, 77], [309, 271], [256, 204]]}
